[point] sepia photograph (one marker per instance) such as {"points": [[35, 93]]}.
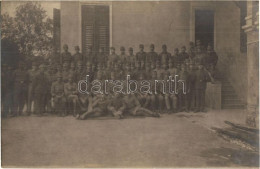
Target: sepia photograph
{"points": [[129, 84]]}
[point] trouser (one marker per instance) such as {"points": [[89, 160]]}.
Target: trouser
{"points": [[191, 99], [20, 97], [60, 105], [182, 101], [72, 103], [200, 99], [40, 102]]}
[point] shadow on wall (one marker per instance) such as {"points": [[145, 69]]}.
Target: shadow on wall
{"points": [[234, 67]]}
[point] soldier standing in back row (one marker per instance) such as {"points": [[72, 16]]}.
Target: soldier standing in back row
{"points": [[140, 56], [65, 56], [39, 90], [201, 79], [165, 56], [32, 74], [152, 56], [131, 57], [20, 89], [77, 56]]}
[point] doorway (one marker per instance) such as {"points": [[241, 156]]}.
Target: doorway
{"points": [[204, 27]]}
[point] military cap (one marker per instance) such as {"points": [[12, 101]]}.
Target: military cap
{"points": [[191, 43], [152, 46], [42, 66], [183, 47], [65, 45], [141, 46], [76, 47], [122, 48], [112, 48], [164, 46], [176, 49], [72, 65], [130, 49]]}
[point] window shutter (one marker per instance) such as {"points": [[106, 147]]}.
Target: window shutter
{"points": [[95, 27]]}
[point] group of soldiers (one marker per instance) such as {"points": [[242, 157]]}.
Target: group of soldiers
{"points": [[52, 86]]}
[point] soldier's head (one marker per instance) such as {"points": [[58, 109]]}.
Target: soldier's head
{"points": [[209, 48], [89, 49], [141, 76], [166, 75], [116, 67], [178, 66], [183, 49], [122, 49], [198, 50], [101, 50], [198, 43], [113, 75], [200, 66], [191, 66], [65, 47], [191, 44], [112, 50], [183, 67], [127, 67], [176, 51], [164, 66], [164, 47], [139, 65], [152, 47], [99, 67], [88, 66], [131, 51], [42, 67], [141, 47], [153, 65], [77, 49]]}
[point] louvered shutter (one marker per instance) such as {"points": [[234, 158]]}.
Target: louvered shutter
{"points": [[95, 27]]}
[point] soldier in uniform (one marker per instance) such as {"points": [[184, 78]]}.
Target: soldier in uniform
{"points": [[66, 55], [102, 57], [165, 56], [31, 74], [20, 89], [212, 57], [191, 88], [152, 56], [182, 89], [183, 53], [200, 57], [70, 90], [65, 72], [117, 105], [113, 57], [141, 56], [58, 96], [179, 60], [191, 53], [123, 57], [7, 90], [131, 57], [50, 78], [201, 78], [89, 56], [77, 56], [39, 90]]}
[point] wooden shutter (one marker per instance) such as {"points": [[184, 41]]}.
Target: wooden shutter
{"points": [[95, 27]]}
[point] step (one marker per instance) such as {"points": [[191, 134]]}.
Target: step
{"points": [[233, 107]]}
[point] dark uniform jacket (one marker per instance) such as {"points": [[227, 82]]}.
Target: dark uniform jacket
{"points": [[66, 57], [201, 78]]}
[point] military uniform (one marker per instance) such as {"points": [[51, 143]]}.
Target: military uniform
{"points": [[70, 90], [78, 57], [39, 89], [201, 78], [141, 56], [164, 56], [32, 75], [113, 57], [66, 57], [59, 100], [20, 90]]}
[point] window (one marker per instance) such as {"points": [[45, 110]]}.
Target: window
{"points": [[95, 27]]}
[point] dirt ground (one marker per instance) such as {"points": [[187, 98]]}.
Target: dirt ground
{"points": [[176, 140]]}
